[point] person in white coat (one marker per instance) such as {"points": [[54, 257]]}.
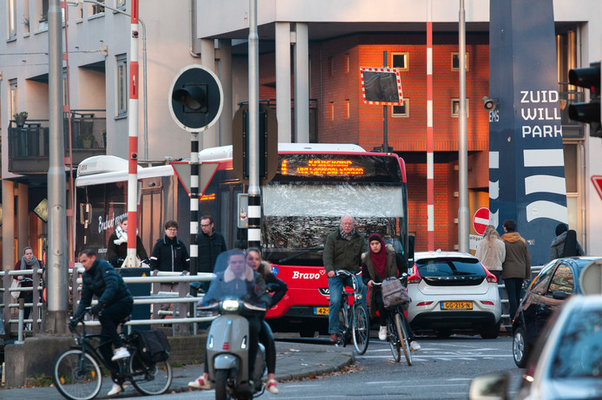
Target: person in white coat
{"points": [[491, 251]]}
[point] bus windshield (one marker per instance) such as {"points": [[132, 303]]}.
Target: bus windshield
{"points": [[332, 200], [297, 218]]}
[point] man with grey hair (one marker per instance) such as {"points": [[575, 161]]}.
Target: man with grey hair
{"points": [[343, 250]]}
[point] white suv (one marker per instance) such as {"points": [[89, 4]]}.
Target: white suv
{"points": [[452, 291]]}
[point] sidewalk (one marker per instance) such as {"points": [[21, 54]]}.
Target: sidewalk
{"points": [[294, 361]]}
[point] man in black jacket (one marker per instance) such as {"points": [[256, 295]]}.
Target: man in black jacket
{"points": [[169, 253], [211, 244], [115, 302]]}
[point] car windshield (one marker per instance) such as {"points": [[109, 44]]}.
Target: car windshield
{"points": [[449, 267], [579, 351], [234, 279]]}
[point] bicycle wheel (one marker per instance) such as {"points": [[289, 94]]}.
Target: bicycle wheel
{"points": [[393, 338], [343, 326], [77, 375], [403, 338], [149, 378], [361, 329]]}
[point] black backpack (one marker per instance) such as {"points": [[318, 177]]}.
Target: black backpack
{"points": [[152, 345]]}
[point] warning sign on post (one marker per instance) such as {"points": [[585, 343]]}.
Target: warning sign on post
{"points": [[381, 86]]}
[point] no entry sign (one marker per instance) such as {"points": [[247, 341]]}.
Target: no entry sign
{"points": [[481, 220]]}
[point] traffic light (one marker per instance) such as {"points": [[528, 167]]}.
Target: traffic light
{"points": [[588, 78], [268, 143], [196, 98]]}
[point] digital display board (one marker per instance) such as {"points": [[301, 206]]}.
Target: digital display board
{"points": [[348, 167]]}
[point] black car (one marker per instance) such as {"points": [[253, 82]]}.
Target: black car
{"points": [[557, 280]]}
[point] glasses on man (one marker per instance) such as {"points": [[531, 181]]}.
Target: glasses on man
{"points": [[205, 225], [172, 229]]}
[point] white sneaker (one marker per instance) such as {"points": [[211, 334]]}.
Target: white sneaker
{"points": [[382, 333], [120, 353], [116, 389], [414, 346], [200, 383]]}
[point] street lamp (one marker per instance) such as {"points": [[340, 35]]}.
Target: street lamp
{"points": [[117, 10]]}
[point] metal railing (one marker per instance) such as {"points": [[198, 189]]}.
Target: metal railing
{"points": [[179, 300]]}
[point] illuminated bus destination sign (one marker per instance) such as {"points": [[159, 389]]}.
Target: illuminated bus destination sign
{"points": [[321, 167]]}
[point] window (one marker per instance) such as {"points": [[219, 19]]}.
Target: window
{"points": [[120, 4], [330, 66], [401, 61], [43, 15], [563, 280], [347, 109], [12, 19], [96, 9], [455, 61], [122, 85], [12, 97], [26, 27], [402, 111], [455, 108], [331, 111], [347, 63], [65, 88]]}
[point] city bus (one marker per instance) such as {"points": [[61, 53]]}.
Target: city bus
{"points": [[314, 186]]}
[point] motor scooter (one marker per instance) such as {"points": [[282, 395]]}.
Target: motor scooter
{"points": [[228, 352]]}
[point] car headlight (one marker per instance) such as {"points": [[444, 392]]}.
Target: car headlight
{"points": [[230, 305]]}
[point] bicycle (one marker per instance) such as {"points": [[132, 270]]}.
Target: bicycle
{"points": [[77, 372], [397, 329], [354, 323]]}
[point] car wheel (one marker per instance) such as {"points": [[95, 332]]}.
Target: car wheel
{"points": [[491, 332], [520, 348]]}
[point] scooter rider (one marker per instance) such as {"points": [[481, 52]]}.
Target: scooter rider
{"points": [[238, 280]]}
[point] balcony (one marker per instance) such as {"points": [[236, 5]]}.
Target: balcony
{"points": [[28, 144]]}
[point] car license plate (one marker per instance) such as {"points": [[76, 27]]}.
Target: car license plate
{"points": [[321, 310], [456, 305]]}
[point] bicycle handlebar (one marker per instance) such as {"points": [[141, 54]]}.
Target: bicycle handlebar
{"points": [[403, 278]]}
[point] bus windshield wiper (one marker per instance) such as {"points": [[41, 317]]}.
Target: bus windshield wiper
{"points": [[298, 253]]}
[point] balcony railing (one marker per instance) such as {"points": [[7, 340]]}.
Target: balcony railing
{"points": [[29, 148]]}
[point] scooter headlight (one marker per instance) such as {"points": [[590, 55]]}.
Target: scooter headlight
{"points": [[230, 305]]}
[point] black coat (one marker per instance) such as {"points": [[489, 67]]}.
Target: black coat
{"points": [[209, 248], [277, 287], [102, 281], [170, 255], [115, 252]]}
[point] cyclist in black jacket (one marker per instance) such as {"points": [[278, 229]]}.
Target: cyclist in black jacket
{"points": [[115, 302]]}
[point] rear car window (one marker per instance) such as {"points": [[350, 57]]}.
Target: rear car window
{"points": [[578, 354], [449, 267]]}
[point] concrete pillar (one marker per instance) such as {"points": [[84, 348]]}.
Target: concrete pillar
{"points": [[22, 218], [283, 81], [8, 225], [225, 76], [210, 138], [301, 83]]}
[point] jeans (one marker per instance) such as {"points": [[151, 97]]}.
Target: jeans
{"points": [[513, 288], [267, 339], [335, 288]]}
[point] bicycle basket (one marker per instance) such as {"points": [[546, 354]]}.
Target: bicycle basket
{"points": [[394, 294], [152, 345]]}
